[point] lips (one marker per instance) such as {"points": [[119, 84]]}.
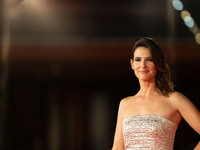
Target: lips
{"points": [[144, 71]]}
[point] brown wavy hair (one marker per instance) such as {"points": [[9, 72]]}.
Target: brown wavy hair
{"points": [[163, 76]]}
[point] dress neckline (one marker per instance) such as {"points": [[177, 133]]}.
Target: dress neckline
{"points": [[150, 115]]}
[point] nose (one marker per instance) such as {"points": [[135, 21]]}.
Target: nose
{"points": [[143, 64]]}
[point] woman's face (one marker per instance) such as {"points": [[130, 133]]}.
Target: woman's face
{"points": [[143, 65]]}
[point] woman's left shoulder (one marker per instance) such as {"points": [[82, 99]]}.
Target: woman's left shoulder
{"points": [[177, 97], [176, 94]]}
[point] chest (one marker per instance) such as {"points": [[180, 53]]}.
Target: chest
{"points": [[154, 106]]}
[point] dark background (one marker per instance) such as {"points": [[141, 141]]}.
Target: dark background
{"points": [[68, 68]]}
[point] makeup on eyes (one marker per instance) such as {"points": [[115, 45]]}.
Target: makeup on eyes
{"points": [[139, 59]]}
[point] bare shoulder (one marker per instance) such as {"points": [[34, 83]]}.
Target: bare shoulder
{"points": [[187, 110], [125, 102], [178, 97]]}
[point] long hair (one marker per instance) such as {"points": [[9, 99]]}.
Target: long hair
{"points": [[163, 76]]}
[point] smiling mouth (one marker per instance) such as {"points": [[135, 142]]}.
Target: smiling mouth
{"points": [[144, 71]]}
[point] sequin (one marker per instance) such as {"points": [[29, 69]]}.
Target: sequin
{"points": [[148, 132]]}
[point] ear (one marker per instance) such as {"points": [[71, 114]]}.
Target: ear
{"points": [[132, 65]]}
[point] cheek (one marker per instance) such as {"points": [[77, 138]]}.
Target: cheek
{"points": [[153, 67], [135, 66]]}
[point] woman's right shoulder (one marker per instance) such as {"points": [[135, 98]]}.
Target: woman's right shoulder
{"points": [[126, 101], [124, 105]]}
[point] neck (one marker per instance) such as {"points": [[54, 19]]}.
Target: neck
{"points": [[147, 88]]}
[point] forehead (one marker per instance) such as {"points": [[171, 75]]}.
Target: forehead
{"points": [[142, 52]]}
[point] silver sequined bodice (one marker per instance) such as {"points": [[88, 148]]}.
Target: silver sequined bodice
{"points": [[148, 132]]}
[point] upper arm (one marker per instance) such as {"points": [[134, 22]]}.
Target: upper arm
{"points": [[188, 111], [118, 143]]}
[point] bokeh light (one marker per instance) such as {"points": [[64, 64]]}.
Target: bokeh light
{"points": [[187, 18], [189, 21], [185, 13], [197, 38], [177, 4]]}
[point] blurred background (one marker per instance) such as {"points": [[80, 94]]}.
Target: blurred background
{"points": [[65, 68]]}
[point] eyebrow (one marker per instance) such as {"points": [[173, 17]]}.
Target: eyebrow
{"points": [[145, 57]]}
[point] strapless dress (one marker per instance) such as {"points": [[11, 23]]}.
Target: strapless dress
{"points": [[148, 132]]}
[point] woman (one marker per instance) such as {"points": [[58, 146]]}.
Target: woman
{"points": [[149, 119]]}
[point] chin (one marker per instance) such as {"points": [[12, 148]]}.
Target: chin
{"points": [[146, 79]]}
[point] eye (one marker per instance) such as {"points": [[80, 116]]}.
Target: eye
{"points": [[149, 59], [137, 59]]}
